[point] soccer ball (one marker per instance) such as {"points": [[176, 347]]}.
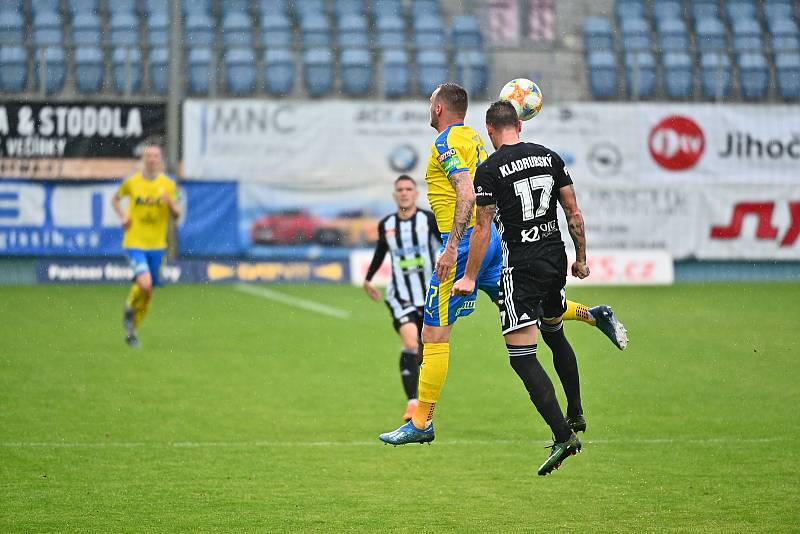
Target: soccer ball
{"points": [[525, 96]]}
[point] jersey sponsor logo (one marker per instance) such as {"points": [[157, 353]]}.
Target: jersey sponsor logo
{"points": [[446, 154], [528, 162], [534, 234], [676, 143]]}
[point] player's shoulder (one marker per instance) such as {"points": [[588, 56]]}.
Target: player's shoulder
{"points": [[166, 178], [541, 150], [384, 220], [132, 177]]}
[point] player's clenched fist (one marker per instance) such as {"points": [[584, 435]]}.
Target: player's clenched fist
{"points": [[580, 269], [463, 287]]}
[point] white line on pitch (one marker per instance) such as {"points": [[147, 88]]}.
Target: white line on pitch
{"points": [[278, 444], [290, 300]]}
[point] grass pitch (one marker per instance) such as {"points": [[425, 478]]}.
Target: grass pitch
{"points": [[245, 414]]}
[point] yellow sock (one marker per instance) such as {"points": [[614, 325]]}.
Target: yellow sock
{"points": [[578, 312], [141, 311], [432, 374], [134, 295]]}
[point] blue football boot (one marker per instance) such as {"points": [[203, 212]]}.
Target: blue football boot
{"points": [[408, 433], [608, 324]]}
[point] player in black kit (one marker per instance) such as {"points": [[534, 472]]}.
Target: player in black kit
{"points": [[519, 186]]}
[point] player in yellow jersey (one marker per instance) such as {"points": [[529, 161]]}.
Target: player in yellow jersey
{"points": [[455, 156], [152, 200]]}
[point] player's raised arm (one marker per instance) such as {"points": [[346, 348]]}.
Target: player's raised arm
{"points": [[566, 196], [465, 202]]}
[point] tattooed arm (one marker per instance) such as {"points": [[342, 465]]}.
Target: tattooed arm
{"points": [[465, 202], [569, 203], [478, 244]]}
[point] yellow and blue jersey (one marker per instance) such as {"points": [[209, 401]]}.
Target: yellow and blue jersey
{"points": [[458, 148], [148, 212]]}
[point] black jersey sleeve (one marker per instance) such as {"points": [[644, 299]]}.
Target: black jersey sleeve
{"points": [[381, 248], [561, 175], [433, 227], [484, 186]]}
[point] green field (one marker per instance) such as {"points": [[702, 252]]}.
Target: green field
{"points": [[245, 414]]}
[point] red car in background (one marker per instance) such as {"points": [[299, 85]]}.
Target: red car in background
{"points": [[292, 227]]}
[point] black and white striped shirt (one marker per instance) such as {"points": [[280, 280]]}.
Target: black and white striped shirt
{"points": [[412, 243]]}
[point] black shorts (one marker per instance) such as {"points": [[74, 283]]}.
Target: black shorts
{"points": [[407, 315], [531, 291]]}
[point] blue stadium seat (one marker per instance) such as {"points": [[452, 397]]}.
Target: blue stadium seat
{"points": [[387, 8], [240, 68], [635, 35], [123, 6], [124, 29], [309, 8], [787, 71], [740, 9], [12, 28], [422, 9], [159, 70], [603, 74], [753, 75], [89, 69], [343, 8], [315, 31], [396, 75], [667, 10], [126, 69], [629, 9], [710, 35], [700, 11], [237, 29], [466, 32], [747, 35], [782, 27], [356, 72], [715, 75], [50, 64], [82, 6], [199, 30], [318, 71], [267, 8], [227, 7], [640, 69], [678, 75], [157, 28], [472, 72], [48, 28], [673, 35], [353, 31], [44, 6], [279, 72], [13, 69], [390, 32], [161, 7], [778, 10], [597, 34], [276, 31], [432, 70], [86, 29], [201, 70], [785, 43], [196, 7], [11, 6], [429, 33]]}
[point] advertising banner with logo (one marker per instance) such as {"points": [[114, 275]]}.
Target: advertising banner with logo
{"points": [[95, 271], [69, 219], [74, 139], [358, 147], [749, 223]]}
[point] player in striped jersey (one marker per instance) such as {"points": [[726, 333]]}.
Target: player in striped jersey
{"points": [[410, 236]]}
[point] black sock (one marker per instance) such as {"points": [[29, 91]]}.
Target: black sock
{"points": [[540, 388], [409, 372], [566, 365]]}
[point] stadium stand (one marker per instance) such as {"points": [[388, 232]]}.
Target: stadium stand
{"points": [[89, 71]]}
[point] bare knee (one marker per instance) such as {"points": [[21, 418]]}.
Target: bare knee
{"points": [[436, 334], [145, 283]]}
